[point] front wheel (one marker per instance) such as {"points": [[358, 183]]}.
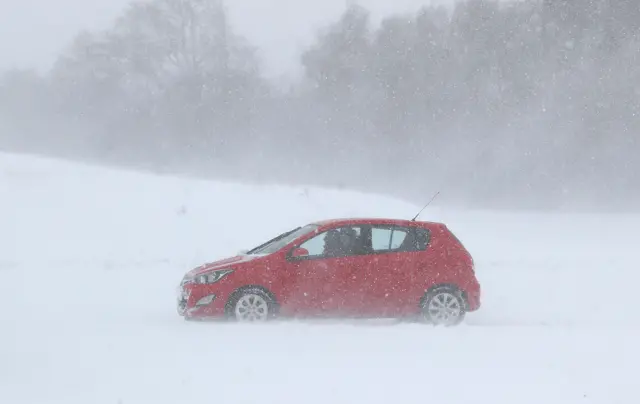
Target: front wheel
{"points": [[444, 306], [251, 305]]}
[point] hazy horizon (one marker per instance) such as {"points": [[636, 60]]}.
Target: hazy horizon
{"points": [[491, 105]]}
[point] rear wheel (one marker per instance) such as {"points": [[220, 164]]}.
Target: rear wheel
{"points": [[444, 306], [251, 305]]}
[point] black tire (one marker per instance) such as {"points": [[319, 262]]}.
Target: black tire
{"points": [[439, 308], [255, 301]]}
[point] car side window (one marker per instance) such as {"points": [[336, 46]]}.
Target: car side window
{"points": [[315, 245], [398, 239], [387, 238], [380, 238], [339, 242], [422, 239]]}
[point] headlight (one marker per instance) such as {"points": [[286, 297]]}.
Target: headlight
{"points": [[212, 277]]}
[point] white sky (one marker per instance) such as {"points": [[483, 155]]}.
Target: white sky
{"points": [[32, 32]]}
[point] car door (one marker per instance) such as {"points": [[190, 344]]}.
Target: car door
{"points": [[391, 270], [319, 283]]}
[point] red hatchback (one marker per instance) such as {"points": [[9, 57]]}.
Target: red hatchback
{"points": [[363, 268]]}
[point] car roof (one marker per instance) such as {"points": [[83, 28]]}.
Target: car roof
{"points": [[372, 220]]}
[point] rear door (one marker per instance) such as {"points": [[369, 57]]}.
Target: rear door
{"points": [[395, 255]]}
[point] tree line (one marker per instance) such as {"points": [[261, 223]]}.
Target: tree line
{"points": [[534, 103]]}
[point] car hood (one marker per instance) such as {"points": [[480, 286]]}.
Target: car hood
{"points": [[222, 264]]}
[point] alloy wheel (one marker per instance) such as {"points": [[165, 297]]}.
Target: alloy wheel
{"points": [[445, 308], [251, 307]]}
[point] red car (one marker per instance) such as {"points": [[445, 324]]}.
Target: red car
{"points": [[362, 268]]}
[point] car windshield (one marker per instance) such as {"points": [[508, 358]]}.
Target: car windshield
{"points": [[282, 240]]}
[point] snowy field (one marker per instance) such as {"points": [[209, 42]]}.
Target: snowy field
{"points": [[90, 257]]}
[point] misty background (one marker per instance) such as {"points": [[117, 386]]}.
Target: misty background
{"points": [[513, 104]]}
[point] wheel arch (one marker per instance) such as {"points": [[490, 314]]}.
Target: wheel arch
{"points": [[451, 286]]}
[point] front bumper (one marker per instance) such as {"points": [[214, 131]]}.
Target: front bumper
{"points": [[198, 301], [182, 296]]}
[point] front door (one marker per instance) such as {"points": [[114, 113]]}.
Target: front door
{"points": [[322, 282]]}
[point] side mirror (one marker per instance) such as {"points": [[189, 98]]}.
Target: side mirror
{"points": [[300, 252]]}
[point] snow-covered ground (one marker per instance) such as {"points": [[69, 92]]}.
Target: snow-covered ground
{"points": [[90, 257]]}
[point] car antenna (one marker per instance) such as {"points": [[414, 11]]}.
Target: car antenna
{"points": [[425, 206]]}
